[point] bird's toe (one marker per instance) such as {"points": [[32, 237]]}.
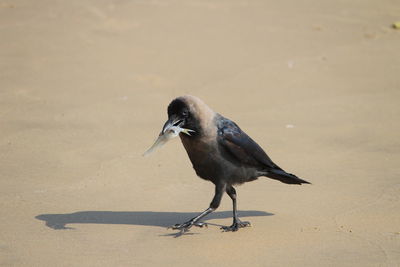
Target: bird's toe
{"points": [[184, 227], [235, 226], [201, 224], [244, 224], [232, 228]]}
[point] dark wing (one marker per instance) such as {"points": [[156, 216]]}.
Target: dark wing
{"points": [[247, 152], [241, 146]]}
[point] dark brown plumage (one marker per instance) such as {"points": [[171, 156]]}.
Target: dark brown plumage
{"points": [[221, 153]]}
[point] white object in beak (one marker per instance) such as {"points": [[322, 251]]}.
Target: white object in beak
{"points": [[169, 134]]}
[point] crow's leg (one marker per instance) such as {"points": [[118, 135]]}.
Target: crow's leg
{"points": [[184, 227], [237, 223]]}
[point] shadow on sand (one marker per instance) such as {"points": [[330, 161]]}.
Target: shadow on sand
{"points": [[150, 218]]}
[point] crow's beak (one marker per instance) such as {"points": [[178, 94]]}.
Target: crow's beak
{"points": [[173, 121], [171, 129]]}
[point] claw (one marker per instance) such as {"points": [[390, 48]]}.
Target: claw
{"points": [[235, 226], [184, 227], [201, 224]]}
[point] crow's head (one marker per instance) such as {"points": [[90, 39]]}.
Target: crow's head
{"points": [[189, 112]]}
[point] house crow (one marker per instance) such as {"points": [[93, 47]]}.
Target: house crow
{"points": [[221, 153]]}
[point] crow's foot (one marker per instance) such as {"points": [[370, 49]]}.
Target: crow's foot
{"points": [[235, 226], [184, 227]]}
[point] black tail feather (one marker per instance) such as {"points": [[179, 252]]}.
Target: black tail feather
{"points": [[285, 177]]}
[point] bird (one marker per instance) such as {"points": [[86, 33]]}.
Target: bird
{"points": [[222, 153]]}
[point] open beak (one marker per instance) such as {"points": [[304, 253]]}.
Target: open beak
{"points": [[171, 129], [170, 123], [177, 123]]}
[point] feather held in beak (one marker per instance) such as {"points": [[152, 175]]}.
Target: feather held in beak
{"points": [[165, 136]]}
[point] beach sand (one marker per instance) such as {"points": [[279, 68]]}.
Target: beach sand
{"points": [[84, 87]]}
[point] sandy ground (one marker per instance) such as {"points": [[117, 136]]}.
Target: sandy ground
{"points": [[84, 87]]}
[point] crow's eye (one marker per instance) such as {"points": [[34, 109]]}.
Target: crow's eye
{"points": [[185, 113]]}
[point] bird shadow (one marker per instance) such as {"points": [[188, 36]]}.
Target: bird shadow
{"points": [[145, 218]]}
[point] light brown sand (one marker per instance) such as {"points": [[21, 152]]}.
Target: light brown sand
{"points": [[84, 87]]}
